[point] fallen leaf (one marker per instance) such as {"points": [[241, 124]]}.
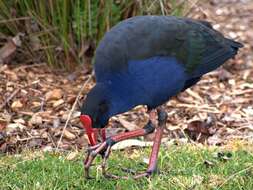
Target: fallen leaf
{"points": [[44, 135], [72, 155], [82, 141], [199, 130], [16, 104], [20, 120], [130, 126], [68, 135], [214, 140], [75, 114], [224, 75], [9, 49], [13, 76], [47, 148], [58, 103], [209, 163], [35, 120], [56, 122], [55, 94], [35, 143], [2, 126], [197, 180], [71, 99], [12, 127], [131, 143]]}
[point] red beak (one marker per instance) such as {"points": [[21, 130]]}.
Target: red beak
{"points": [[91, 132], [87, 125]]}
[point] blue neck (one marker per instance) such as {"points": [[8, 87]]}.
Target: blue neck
{"points": [[120, 95]]}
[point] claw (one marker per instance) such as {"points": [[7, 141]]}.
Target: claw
{"points": [[104, 149], [145, 174], [136, 176], [129, 171], [93, 151], [106, 156]]}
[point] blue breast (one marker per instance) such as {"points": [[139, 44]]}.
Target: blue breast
{"points": [[147, 82]]}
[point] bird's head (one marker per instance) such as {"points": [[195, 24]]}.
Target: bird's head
{"points": [[95, 112]]}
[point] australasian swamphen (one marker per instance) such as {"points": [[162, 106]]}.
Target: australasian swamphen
{"points": [[145, 60]]}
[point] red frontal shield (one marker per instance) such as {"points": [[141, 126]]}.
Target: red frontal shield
{"points": [[87, 124], [91, 132]]}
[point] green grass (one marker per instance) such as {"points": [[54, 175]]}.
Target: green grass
{"points": [[181, 167]]}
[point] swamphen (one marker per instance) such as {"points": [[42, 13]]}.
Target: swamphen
{"points": [[145, 60]]}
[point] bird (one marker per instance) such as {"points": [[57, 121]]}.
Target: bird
{"points": [[146, 60]]}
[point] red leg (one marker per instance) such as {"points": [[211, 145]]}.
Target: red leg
{"points": [[152, 166], [106, 145]]}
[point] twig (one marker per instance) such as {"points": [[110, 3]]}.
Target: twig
{"points": [[162, 7], [234, 175], [72, 110], [29, 66], [51, 138], [14, 20], [28, 138], [9, 98], [192, 6]]}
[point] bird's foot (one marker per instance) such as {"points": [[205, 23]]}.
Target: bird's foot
{"points": [[148, 173], [103, 148], [132, 174]]}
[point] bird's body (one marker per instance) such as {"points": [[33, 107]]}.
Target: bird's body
{"points": [[145, 60], [150, 82]]}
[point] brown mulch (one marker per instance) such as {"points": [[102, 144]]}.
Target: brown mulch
{"points": [[35, 101]]}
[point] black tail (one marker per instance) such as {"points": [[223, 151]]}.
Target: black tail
{"points": [[235, 45]]}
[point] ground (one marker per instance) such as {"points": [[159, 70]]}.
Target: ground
{"points": [[36, 103]]}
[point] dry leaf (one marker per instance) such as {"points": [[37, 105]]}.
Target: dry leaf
{"points": [[20, 120], [208, 163], [199, 130], [44, 135], [68, 135], [130, 143], [215, 140], [2, 126], [55, 94], [36, 120], [130, 126], [58, 103], [47, 148], [72, 155], [7, 51], [16, 104], [13, 76], [12, 127], [75, 114]]}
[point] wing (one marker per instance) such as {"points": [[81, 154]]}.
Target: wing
{"points": [[194, 43]]}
